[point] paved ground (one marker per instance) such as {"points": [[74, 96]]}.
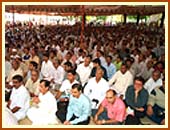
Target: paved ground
{"points": [[144, 120]]}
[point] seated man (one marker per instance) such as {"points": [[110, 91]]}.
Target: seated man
{"points": [[121, 80], [154, 81], [44, 113], [112, 110], [32, 83], [19, 100], [96, 89], [96, 65], [66, 85], [79, 108], [137, 98], [156, 105]]}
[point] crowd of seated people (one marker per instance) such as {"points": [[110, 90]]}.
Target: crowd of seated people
{"points": [[113, 70]]}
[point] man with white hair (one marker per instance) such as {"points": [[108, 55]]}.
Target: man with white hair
{"points": [[96, 89]]}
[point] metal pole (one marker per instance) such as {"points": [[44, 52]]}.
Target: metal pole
{"points": [[125, 15], [138, 18], [162, 19], [13, 16], [82, 24]]}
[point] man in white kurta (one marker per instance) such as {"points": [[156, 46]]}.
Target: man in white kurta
{"points": [[44, 111], [65, 89], [19, 100], [84, 70], [58, 72], [121, 80], [153, 82], [96, 89], [47, 67]]}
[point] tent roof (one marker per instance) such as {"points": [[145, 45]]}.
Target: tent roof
{"points": [[88, 9]]}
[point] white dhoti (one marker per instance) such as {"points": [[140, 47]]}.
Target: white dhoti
{"points": [[40, 117]]}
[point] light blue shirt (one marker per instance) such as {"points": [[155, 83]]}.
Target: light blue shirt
{"points": [[80, 107], [111, 70]]}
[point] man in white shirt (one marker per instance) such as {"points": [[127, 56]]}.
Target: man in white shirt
{"points": [[44, 113], [154, 81], [19, 100], [96, 89], [7, 66], [84, 70], [47, 67], [58, 73], [32, 83], [81, 56], [121, 80], [65, 88]]}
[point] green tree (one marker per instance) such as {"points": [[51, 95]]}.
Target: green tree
{"points": [[101, 18]]}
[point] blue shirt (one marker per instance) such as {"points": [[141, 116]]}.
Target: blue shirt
{"points": [[111, 70], [80, 107]]}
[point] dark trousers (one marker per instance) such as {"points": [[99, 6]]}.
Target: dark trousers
{"points": [[7, 96], [62, 110], [103, 116], [61, 115], [158, 114], [86, 122], [139, 114]]}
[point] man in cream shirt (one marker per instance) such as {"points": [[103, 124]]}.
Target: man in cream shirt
{"points": [[121, 80], [32, 83]]}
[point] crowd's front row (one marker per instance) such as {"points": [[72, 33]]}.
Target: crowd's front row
{"points": [[79, 107]]}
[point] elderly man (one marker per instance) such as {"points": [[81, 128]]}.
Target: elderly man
{"points": [[112, 110], [96, 89]]}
